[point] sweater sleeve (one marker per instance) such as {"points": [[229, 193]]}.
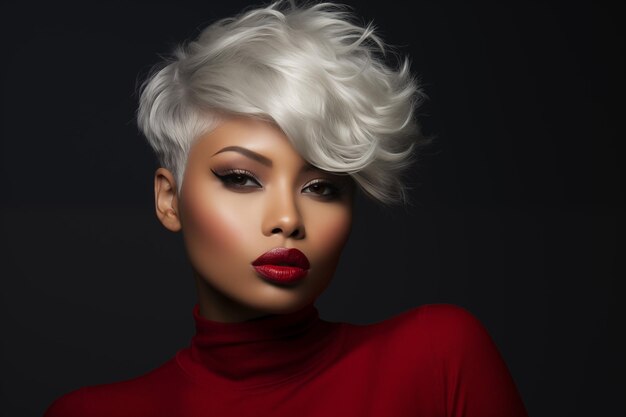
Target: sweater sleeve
{"points": [[475, 380]]}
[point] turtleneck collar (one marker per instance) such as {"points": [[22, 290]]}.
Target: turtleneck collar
{"points": [[262, 351]]}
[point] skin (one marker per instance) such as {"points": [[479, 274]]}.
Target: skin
{"points": [[246, 190]]}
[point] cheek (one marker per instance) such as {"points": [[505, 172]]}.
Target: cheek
{"points": [[216, 226], [330, 231]]}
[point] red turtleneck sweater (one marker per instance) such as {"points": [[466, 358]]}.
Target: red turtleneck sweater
{"points": [[434, 360]]}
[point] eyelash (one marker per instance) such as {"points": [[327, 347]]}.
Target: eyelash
{"points": [[229, 178], [334, 191]]}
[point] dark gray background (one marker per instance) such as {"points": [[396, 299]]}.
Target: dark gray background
{"points": [[515, 215]]}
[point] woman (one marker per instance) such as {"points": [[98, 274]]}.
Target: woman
{"points": [[264, 127]]}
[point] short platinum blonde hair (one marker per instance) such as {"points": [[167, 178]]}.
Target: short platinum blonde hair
{"points": [[313, 71]]}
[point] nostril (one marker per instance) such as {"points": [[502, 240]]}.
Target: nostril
{"points": [[294, 233]]}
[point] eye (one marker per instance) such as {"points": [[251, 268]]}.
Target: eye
{"points": [[238, 179], [321, 188]]}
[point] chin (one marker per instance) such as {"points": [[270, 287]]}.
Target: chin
{"points": [[282, 300]]}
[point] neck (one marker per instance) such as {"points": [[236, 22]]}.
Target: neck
{"points": [[216, 306], [262, 351]]}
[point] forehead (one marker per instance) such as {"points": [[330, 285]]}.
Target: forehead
{"points": [[256, 135]]}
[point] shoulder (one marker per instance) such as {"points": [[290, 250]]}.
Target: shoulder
{"points": [[449, 324], [443, 334], [470, 370], [71, 404], [443, 322], [140, 395], [430, 313], [423, 335]]}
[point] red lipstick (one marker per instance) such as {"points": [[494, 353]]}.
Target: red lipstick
{"points": [[282, 265]]}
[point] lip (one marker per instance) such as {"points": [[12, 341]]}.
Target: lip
{"points": [[282, 265]]}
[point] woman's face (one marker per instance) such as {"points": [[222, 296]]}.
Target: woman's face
{"points": [[246, 191]]}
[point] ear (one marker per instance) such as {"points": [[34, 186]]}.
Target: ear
{"points": [[166, 200]]}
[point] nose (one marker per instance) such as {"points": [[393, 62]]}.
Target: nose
{"points": [[282, 215]]}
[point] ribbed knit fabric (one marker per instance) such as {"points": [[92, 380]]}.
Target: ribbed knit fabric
{"points": [[434, 360]]}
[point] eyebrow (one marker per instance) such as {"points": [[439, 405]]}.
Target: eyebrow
{"points": [[248, 153]]}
